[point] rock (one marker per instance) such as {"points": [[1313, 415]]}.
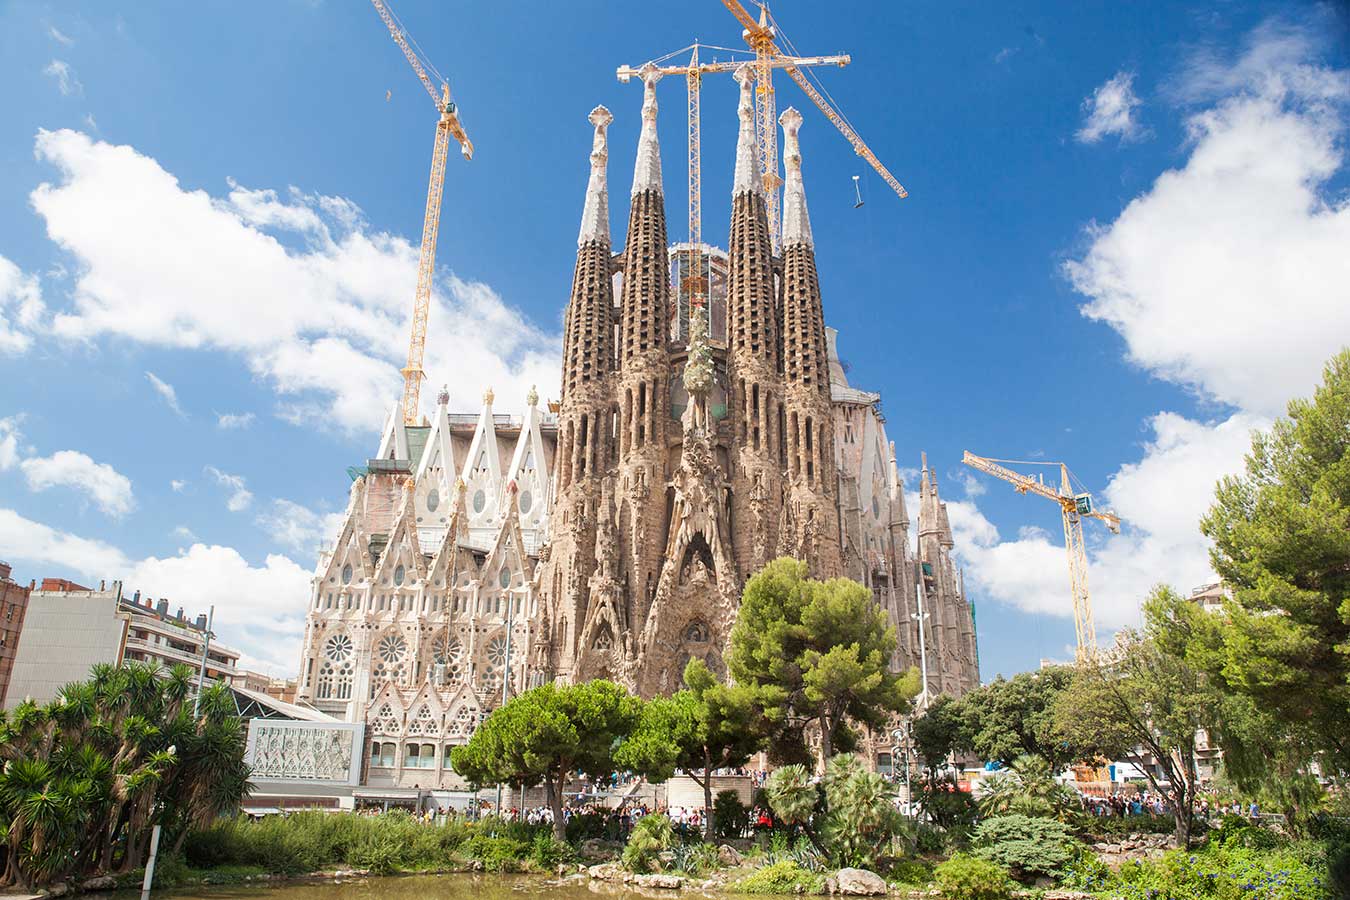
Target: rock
{"points": [[729, 856], [100, 883], [659, 880], [599, 848], [859, 882], [831, 886], [606, 872], [1065, 895], [60, 889]]}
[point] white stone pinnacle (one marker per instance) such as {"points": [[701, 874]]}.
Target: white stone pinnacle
{"points": [[647, 169], [796, 222], [747, 160], [595, 215]]}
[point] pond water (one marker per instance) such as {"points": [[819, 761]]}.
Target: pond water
{"points": [[418, 887]]}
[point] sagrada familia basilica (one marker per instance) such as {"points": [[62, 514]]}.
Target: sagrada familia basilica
{"points": [[610, 534]]}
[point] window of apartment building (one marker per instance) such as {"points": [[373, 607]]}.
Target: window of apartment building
{"points": [[382, 754], [419, 756]]}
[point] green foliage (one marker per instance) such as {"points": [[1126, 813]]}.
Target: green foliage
{"points": [[708, 725], [1281, 534], [1146, 693], [731, 817], [815, 651], [910, 873], [88, 775], [651, 835], [1027, 847], [965, 877], [695, 859], [862, 816], [1028, 788], [1220, 873], [783, 877], [1119, 826], [548, 733], [791, 794], [946, 806], [1004, 720]]}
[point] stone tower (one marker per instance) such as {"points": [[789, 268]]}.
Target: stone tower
{"points": [[753, 358], [585, 418], [810, 528]]}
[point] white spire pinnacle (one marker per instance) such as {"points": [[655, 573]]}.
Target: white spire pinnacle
{"points": [[647, 169], [595, 216], [796, 223], [747, 161]]}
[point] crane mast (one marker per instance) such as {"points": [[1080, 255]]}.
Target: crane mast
{"points": [[447, 126], [1074, 508]]}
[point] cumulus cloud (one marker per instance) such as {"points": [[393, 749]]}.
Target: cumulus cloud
{"points": [[167, 392], [233, 421], [1111, 110], [182, 532], [177, 485], [109, 489], [299, 287], [298, 527], [66, 82], [9, 442], [1227, 276], [261, 608], [240, 497], [21, 307]]}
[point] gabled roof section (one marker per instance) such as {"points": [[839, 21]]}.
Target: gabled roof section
{"points": [[352, 544], [529, 467], [482, 467], [508, 549], [403, 548], [439, 451], [452, 559], [394, 437]]}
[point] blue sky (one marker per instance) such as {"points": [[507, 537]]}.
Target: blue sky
{"points": [[1124, 247]]}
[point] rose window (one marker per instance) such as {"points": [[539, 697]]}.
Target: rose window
{"points": [[338, 647], [392, 648], [447, 651], [496, 652]]}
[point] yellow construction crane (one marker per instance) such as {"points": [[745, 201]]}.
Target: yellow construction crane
{"points": [[760, 36], [693, 72], [1075, 507], [447, 126]]}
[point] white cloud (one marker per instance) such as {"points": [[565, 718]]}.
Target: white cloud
{"points": [[230, 421], [66, 82], [972, 486], [21, 307], [240, 496], [9, 442], [297, 286], [1160, 500], [166, 390], [177, 485], [299, 528], [1228, 277], [108, 488], [1111, 110], [61, 38], [182, 532], [261, 608]]}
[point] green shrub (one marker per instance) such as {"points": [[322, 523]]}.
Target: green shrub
{"points": [[965, 877], [547, 853], [1026, 847], [862, 815], [379, 852], [929, 839], [784, 877], [1222, 873], [497, 854], [1119, 826], [651, 835], [588, 825], [730, 816], [914, 873], [694, 859]]}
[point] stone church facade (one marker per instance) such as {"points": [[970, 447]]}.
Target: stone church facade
{"points": [[611, 535]]}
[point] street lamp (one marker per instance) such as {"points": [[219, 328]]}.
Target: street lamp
{"points": [[919, 617]]}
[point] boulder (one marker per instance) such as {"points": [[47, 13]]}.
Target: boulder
{"points": [[100, 883], [599, 848], [606, 872], [859, 882], [1065, 895], [729, 856], [659, 880]]}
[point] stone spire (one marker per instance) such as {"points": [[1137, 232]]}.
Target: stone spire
{"points": [[796, 223], [930, 520], [647, 169], [595, 215], [747, 160]]}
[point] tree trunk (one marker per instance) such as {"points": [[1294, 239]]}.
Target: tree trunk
{"points": [[826, 741], [707, 799], [555, 805]]}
